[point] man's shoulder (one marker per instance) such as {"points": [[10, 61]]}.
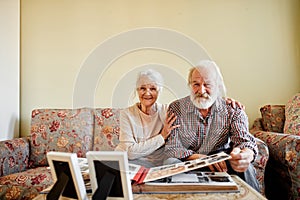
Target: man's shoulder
{"points": [[180, 101], [226, 108]]}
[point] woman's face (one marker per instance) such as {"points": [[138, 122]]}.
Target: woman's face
{"points": [[148, 94]]}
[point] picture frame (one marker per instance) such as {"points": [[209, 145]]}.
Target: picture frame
{"points": [[109, 175], [68, 181]]}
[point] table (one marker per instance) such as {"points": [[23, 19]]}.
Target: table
{"points": [[246, 192]]}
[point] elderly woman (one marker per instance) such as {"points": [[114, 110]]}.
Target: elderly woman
{"points": [[146, 125]]}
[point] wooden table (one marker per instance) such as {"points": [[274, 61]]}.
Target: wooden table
{"points": [[245, 192]]}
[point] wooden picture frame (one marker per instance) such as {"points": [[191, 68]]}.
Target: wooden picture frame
{"points": [[66, 175], [109, 175]]}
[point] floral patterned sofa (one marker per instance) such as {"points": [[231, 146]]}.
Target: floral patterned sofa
{"points": [[279, 128], [24, 169]]}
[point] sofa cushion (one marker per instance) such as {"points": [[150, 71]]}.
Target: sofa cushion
{"points": [[14, 156], [107, 129], [273, 117], [65, 130], [292, 116]]}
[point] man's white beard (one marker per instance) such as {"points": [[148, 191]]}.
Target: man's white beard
{"points": [[203, 101]]}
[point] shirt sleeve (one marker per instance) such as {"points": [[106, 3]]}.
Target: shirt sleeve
{"points": [[241, 137], [130, 132]]}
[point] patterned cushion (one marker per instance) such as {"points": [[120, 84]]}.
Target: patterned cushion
{"points": [[292, 115], [260, 163], [285, 154], [107, 129], [14, 156], [65, 130], [25, 185], [273, 118]]}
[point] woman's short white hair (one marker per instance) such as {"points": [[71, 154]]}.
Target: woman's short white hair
{"points": [[151, 76], [211, 66]]}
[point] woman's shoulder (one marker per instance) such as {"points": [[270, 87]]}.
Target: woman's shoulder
{"points": [[130, 110]]}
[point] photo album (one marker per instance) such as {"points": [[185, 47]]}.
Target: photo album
{"points": [[184, 177], [189, 182], [139, 174]]}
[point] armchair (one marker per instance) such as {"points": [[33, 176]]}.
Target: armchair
{"points": [[282, 174]]}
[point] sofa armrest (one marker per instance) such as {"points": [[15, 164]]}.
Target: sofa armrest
{"points": [[257, 125], [285, 150], [261, 162], [14, 155]]}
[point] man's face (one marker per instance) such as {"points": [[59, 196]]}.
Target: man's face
{"points": [[203, 88]]}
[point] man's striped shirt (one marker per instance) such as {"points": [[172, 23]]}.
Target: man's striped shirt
{"points": [[224, 128]]}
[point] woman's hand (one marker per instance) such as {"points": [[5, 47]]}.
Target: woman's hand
{"points": [[168, 125], [233, 103]]}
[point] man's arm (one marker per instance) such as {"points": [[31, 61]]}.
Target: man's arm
{"points": [[245, 148]]}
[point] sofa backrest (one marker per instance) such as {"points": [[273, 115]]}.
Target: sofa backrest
{"points": [[65, 130], [72, 130]]}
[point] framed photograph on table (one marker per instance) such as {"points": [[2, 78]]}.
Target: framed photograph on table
{"points": [[109, 175], [68, 181]]}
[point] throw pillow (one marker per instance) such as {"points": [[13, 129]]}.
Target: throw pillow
{"points": [[273, 117], [292, 115], [107, 129], [64, 130]]}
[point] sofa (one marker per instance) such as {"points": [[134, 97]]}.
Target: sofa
{"points": [[24, 170], [279, 128]]}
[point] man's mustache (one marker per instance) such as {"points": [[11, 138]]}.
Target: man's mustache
{"points": [[203, 95]]}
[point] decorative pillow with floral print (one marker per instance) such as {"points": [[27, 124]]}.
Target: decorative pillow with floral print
{"points": [[64, 130], [14, 156], [273, 117], [292, 115], [107, 129]]}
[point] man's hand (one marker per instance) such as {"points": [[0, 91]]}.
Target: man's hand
{"points": [[195, 156], [241, 159], [220, 167]]}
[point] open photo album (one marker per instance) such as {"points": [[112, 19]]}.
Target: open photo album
{"points": [[139, 174]]}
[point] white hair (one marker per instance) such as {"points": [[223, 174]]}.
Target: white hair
{"points": [[150, 76], [212, 67]]}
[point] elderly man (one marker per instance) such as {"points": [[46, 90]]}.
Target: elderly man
{"points": [[209, 125]]}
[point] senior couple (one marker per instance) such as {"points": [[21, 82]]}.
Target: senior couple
{"points": [[189, 128]]}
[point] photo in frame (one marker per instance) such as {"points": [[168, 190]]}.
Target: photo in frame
{"points": [[109, 175], [68, 181]]}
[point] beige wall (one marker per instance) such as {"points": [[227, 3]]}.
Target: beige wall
{"points": [[9, 68], [255, 43]]}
